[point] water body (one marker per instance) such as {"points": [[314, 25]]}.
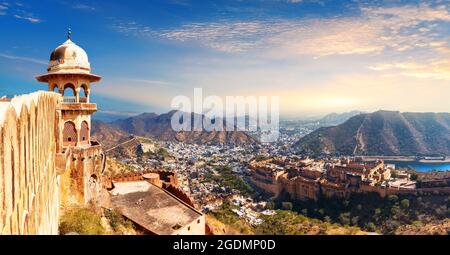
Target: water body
{"points": [[420, 166]]}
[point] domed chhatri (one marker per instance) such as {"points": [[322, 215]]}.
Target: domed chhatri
{"points": [[69, 58], [69, 74]]}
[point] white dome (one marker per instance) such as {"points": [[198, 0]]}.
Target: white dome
{"points": [[69, 58]]}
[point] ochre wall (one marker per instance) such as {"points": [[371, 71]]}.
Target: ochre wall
{"points": [[29, 184]]}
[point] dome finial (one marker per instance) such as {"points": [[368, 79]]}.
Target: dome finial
{"points": [[69, 33]]}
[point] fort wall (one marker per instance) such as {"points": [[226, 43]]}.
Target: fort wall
{"points": [[29, 183]]}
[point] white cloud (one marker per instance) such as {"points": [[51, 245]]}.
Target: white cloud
{"points": [[84, 7], [223, 36], [133, 28], [153, 82], [3, 8], [26, 59], [28, 18], [17, 11]]}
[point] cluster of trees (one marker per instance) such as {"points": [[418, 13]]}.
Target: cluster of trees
{"points": [[371, 212], [284, 222], [230, 180], [228, 217]]}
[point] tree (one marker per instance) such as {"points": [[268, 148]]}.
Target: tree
{"points": [[287, 206], [305, 212], [344, 218], [414, 176], [370, 227], [377, 211], [359, 207], [395, 210], [404, 204], [392, 198], [270, 205], [355, 221], [322, 211]]}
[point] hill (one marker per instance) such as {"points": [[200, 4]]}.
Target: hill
{"points": [[108, 135], [382, 133], [159, 127]]}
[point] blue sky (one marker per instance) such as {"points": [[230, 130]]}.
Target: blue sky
{"points": [[319, 56]]}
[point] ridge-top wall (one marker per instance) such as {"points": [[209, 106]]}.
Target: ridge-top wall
{"points": [[29, 184]]}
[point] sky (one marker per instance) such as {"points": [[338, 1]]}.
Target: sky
{"points": [[318, 56]]}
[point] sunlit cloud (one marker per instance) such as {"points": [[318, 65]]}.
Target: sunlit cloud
{"points": [[376, 30], [436, 69]]}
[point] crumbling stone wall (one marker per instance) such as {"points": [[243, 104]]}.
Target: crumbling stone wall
{"points": [[29, 183]]}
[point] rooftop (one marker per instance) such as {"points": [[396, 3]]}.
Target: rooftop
{"points": [[152, 207]]}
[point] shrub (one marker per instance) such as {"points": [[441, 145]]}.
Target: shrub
{"points": [[417, 223], [116, 220], [82, 221]]}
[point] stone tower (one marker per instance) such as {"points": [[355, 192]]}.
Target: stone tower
{"points": [[69, 74]]}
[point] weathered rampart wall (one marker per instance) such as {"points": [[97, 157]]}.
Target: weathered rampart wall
{"points": [[29, 184]]}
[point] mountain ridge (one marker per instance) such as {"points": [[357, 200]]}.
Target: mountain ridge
{"points": [[383, 133], [158, 126]]}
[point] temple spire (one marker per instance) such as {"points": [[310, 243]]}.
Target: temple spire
{"points": [[69, 33]]}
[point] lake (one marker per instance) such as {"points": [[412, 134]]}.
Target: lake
{"points": [[420, 166]]}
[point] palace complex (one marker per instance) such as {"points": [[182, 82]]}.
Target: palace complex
{"points": [[305, 179]]}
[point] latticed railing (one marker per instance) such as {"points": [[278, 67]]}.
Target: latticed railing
{"points": [[74, 100], [70, 99]]}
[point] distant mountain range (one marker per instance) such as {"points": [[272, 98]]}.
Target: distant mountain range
{"points": [[334, 119], [159, 127], [382, 133]]}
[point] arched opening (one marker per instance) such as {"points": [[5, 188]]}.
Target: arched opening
{"points": [[69, 134], [69, 97], [85, 95], [54, 88], [84, 133]]}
